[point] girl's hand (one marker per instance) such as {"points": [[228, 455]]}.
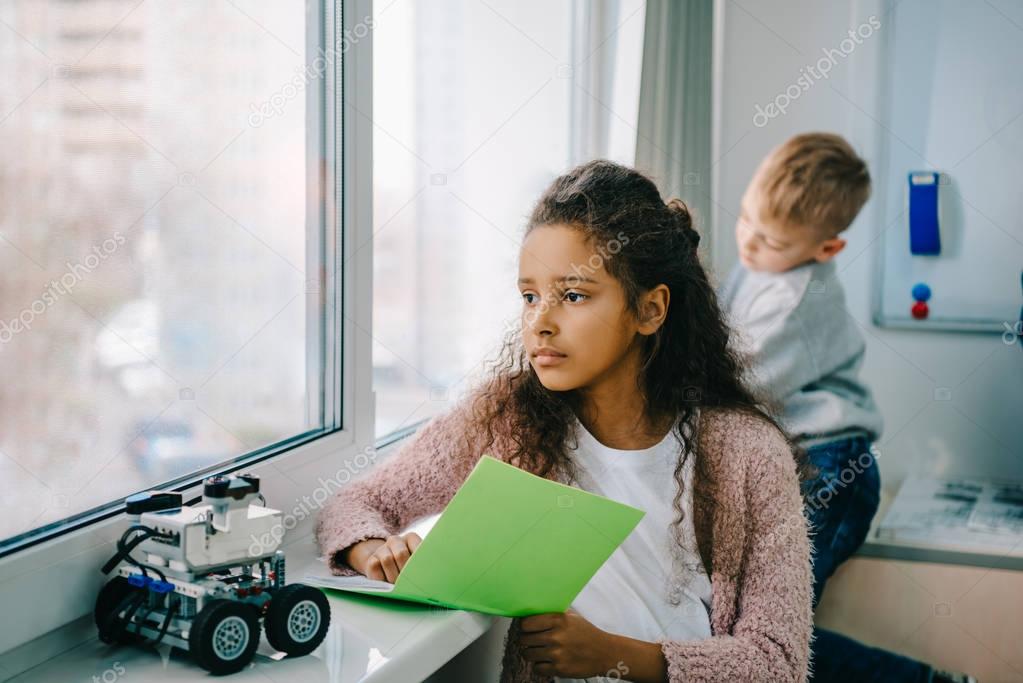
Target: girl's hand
{"points": [[382, 559], [567, 645]]}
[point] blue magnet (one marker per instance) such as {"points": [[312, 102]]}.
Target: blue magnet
{"points": [[924, 239], [921, 292]]}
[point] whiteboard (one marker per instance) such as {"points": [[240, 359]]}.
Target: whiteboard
{"points": [[953, 104]]}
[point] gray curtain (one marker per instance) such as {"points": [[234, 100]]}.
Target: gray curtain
{"points": [[674, 139]]}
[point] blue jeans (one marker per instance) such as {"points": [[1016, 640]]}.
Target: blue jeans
{"points": [[841, 501]]}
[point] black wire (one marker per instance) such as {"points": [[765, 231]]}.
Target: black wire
{"points": [[172, 608], [141, 621], [122, 624], [134, 608], [166, 622], [143, 567], [112, 624], [125, 547], [131, 560]]}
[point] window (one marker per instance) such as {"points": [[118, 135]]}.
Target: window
{"points": [[163, 245], [476, 107]]}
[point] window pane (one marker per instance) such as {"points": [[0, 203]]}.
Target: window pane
{"points": [[153, 307], [471, 115]]}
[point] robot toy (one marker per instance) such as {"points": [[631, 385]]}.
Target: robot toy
{"points": [[206, 583]]}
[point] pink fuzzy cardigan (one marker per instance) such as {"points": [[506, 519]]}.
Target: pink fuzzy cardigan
{"points": [[749, 522]]}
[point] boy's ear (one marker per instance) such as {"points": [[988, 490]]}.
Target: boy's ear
{"points": [[828, 249]]}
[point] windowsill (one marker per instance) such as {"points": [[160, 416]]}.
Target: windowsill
{"points": [[370, 639]]}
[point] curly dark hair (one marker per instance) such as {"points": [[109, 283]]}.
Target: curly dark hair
{"points": [[688, 363]]}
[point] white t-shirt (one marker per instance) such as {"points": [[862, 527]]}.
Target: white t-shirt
{"points": [[629, 594]]}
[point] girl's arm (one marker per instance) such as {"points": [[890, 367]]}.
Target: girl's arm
{"points": [[415, 482], [771, 636]]}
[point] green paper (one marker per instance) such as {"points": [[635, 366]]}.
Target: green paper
{"points": [[509, 543]]}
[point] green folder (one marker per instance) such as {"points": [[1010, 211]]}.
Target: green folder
{"points": [[509, 543]]}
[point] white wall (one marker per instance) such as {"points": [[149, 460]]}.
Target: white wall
{"points": [[763, 46]]}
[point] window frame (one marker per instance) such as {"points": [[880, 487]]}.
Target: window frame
{"points": [[52, 579]]}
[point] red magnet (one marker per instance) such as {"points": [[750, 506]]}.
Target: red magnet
{"points": [[920, 310]]}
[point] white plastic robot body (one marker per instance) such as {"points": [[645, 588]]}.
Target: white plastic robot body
{"points": [[212, 535]]}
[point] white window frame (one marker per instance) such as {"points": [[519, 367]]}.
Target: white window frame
{"points": [[54, 583]]}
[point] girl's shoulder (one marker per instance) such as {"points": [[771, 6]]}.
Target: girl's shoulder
{"points": [[739, 444], [737, 423]]}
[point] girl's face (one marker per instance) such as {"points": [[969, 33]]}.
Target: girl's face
{"points": [[576, 327]]}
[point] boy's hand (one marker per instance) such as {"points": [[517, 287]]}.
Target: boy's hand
{"points": [[567, 645], [382, 559]]}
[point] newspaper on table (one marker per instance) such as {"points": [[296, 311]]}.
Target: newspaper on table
{"points": [[975, 514]]}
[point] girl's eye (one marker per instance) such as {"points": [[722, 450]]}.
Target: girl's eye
{"points": [[571, 297]]}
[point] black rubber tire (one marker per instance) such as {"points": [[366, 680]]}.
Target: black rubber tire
{"points": [[315, 607], [110, 597], [204, 629]]}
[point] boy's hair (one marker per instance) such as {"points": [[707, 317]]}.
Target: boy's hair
{"points": [[814, 180]]}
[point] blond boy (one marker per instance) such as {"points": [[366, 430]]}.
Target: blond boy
{"points": [[784, 298], [785, 301]]}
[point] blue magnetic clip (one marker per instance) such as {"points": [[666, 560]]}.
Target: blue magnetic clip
{"points": [[924, 239]]}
